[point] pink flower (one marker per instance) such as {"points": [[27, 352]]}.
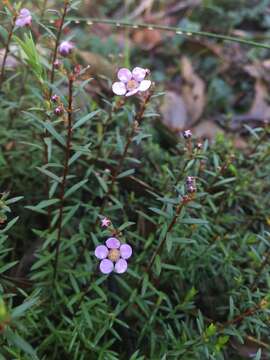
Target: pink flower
{"points": [[24, 18], [105, 222], [65, 48], [113, 256], [131, 82]]}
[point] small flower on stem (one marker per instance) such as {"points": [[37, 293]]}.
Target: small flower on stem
{"points": [[187, 134], [131, 82], [105, 222], [57, 64], [55, 98], [113, 256], [58, 111], [65, 48], [24, 18]]}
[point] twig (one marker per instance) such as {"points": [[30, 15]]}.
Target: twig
{"points": [[65, 172], [177, 30]]}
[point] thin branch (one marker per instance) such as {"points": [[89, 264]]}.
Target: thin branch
{"points": [[177, 30], [54, 56], [57, 42]]}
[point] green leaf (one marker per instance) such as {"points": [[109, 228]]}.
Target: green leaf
{"points": [[54, 133], [50, 174], [9, 225], [8, 266], [21, 309], [75, 187], [126, 173], [84, 119], [16, 340]]}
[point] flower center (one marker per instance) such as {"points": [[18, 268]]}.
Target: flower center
{"points": [[114, 255], [132, 85]]}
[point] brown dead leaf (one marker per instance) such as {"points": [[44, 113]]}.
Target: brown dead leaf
{"points": [[207, 130], [147, 39], [193, 91], [174, 112], [11, 61], [260, 108]]}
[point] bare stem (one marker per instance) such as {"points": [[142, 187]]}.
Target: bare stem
{"points": [[65, 173], [57, 42]]}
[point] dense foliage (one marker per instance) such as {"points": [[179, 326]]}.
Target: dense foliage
{"points": [[196, 212]]}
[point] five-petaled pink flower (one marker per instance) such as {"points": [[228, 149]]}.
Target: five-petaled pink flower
{"points": [[131, 82], [24, 18], [113, 256], [65, 48], [105, 222]]}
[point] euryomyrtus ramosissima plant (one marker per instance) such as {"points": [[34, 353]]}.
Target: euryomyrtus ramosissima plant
{"points": [[131, 82], [199, 292]]}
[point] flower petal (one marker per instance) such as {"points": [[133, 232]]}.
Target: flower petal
{"points": [[124, 75], [139, 73], [132, 92], [119, 88], [125, 251], [24, 12], [121, 266], [101, 252], [145, 85], [112, 243], [106, 266]]}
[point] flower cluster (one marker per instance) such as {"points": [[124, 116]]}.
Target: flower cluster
{"points": [[113, 256], [191, 184], [24, 18], [59, 109], [131, 82]]}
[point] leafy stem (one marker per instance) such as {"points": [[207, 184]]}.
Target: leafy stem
{"points": [[10, 34], [65, 172], [136, 123], [184, 201]]}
